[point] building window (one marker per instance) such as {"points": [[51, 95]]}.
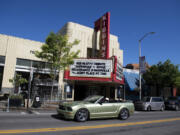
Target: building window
{"points": [[38, 64], [1, 76], [35, 64], [23, 62], [90, 53], [2, 59]]}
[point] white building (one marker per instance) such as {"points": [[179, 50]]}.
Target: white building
{"points": [[17, 56]]}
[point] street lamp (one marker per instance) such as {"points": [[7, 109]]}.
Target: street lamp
{"points": [[139, 61]]}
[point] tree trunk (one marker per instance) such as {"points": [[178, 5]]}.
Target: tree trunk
{"points": [[52, 88], [157, 90]]}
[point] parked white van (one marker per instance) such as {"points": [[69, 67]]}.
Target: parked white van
{"points": [[150, 103]]}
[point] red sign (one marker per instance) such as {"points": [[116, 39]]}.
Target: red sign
{"points": [[103, 24]]}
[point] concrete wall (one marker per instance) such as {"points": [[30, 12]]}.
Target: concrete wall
{"points": [[12, 48], [87, 40]]}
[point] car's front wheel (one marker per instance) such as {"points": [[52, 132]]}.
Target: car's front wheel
{"points": [[81, 115], [162, 108], [149, 108], [124, 114]]}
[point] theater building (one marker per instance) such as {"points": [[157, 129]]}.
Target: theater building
{"points": [[98, 70]]}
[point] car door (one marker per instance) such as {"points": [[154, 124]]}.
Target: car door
{"points": [[153, 103], [108, 109], [160, 103], [102, 109], [157, 103]]}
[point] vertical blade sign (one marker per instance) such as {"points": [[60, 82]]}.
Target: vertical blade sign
{"points": [[103, 24]]}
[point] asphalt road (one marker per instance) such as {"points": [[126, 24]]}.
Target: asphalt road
{"points": [[48, 123]]}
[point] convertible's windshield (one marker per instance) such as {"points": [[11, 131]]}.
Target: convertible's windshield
{"points": [[92, 99]]}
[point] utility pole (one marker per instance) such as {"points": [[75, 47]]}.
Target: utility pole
{"points": [[140, 89]]}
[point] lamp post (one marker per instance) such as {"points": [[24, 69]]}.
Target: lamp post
{"points": [[139, 61]]}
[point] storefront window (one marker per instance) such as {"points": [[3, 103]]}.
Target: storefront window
{"points": [[23, 62], [68, 91], [112, 92], [38, 64], [2, 59], [35, 64], [48, 65], [1, 76], [119, 92]]}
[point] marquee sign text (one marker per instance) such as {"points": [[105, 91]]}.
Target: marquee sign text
{"points": [[91, 68]]}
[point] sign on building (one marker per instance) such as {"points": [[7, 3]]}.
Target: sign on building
{"points": [[119, 72], [91, 68], [103, 24]]}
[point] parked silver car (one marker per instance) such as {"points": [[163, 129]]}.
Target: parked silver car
{"points": [[150, 103]]}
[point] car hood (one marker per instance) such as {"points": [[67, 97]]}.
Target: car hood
{"points": [[73, 103], [171, 101]]}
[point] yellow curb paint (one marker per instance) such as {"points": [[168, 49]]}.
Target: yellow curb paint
{"points": [[18, 131]]}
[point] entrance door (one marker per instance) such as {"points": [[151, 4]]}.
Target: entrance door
{"points": [[1, 76], [80, 92]]}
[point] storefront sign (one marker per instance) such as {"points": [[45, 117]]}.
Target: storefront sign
{"points": [[103, 24], [119, 72], [91, 68]]}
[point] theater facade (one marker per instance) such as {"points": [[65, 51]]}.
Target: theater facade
{"points": [[98, 70]]}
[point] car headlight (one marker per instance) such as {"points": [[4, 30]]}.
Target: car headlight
{"points": [[69, 109]]}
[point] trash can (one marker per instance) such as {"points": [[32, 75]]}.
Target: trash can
{"points": [[36, 102]]}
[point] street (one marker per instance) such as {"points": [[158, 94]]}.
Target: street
{"points": [[48, 123]]}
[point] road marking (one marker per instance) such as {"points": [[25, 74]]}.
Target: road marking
{"points": [[23, 113], [18, 131], [35, 112]]}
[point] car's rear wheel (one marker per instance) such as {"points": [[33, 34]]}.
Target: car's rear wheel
{"points": [[81, 115], [124, 114]]}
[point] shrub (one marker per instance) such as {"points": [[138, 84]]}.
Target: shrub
{"points": [[15, 100]]}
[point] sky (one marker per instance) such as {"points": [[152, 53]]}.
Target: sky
{"points": [[130, 20]]}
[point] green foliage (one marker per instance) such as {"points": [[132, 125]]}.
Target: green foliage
{"points": [[18, 80], [20, 97], [162, 75], [15, 100], [57, 51], [177, 82]]}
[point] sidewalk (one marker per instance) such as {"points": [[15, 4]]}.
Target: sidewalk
{"points": [[48, 108]]}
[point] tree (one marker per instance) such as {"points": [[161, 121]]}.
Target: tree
{"points": [[177, 81], [17, 81], [162, 75], [57, 52]]}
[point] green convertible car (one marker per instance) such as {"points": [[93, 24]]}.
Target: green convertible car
{"points": [[95, 107]]}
